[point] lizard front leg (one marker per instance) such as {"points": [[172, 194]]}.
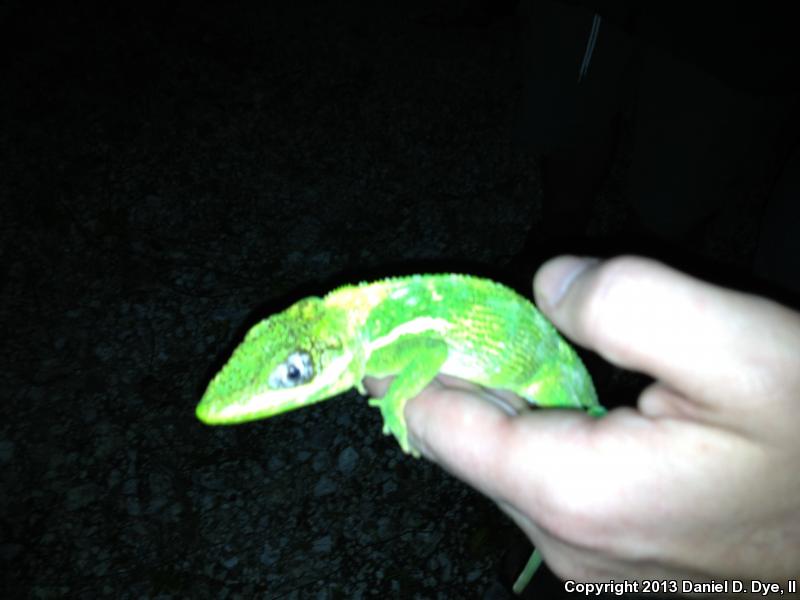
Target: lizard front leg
{"points": [[414, 361]]}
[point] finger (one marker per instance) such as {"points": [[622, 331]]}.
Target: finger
{"points": [[377, 386], [549, 469], [699, 339], [531, 460], [657, 401]]}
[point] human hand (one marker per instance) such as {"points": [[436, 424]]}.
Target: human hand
{"points": [[700, 481]]}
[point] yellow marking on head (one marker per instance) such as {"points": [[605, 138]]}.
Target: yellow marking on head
{"points": [[361, 298]]}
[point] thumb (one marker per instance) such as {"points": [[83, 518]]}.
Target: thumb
{"points": [[717, 354], [471, 435]]}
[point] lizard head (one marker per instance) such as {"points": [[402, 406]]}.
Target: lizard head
{"points": [[292, 359]]}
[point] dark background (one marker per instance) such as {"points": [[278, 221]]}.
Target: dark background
{"points": [[172, 173]]}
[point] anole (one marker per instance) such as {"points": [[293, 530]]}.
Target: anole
{"points": [[413, 328]]}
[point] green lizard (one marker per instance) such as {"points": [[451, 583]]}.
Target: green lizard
{"points": [[413, 328]]}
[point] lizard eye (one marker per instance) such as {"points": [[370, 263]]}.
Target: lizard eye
{"points": [[296, 370]]}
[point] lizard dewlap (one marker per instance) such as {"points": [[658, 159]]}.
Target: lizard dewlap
{"points": [[412, 328]]}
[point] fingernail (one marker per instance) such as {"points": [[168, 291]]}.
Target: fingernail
{"points": [[557, 276]]}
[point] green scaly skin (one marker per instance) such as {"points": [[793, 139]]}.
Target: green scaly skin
{"points": [[412, 328]]}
